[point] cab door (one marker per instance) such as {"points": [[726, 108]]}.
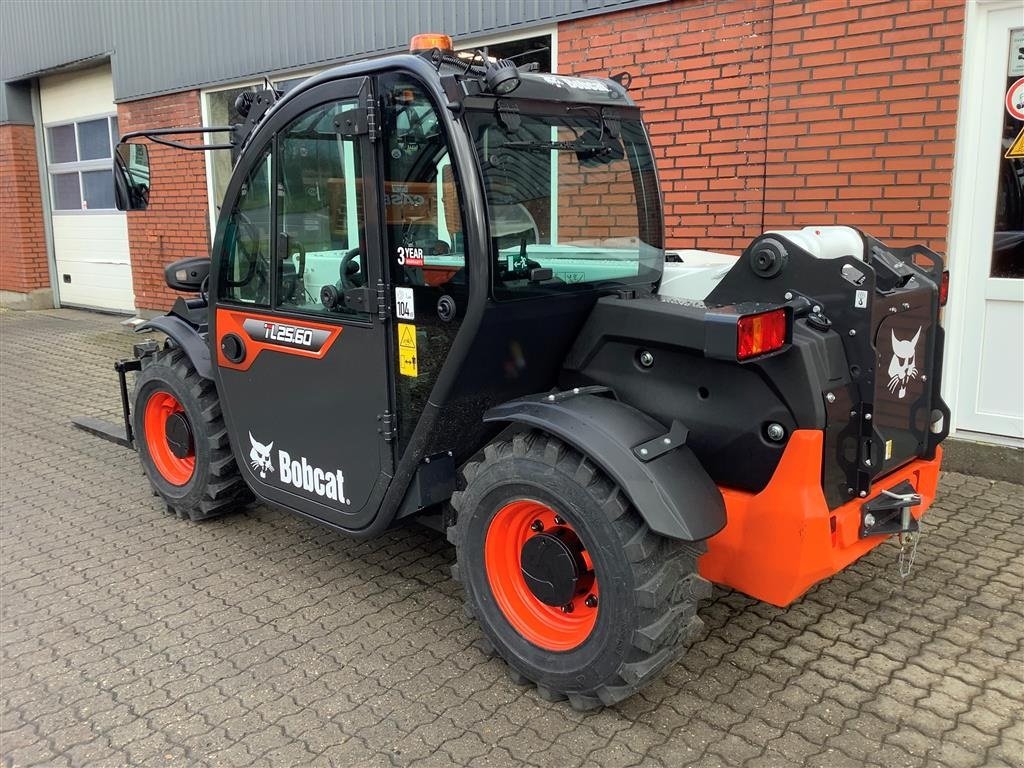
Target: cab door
{"points": [[302, 356]]}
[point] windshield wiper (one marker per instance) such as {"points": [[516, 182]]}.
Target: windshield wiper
{"points": [[559, 146]]}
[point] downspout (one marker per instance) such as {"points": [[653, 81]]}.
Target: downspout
{"points": [[44, 191]]}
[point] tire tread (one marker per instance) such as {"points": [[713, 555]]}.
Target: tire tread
{"points": [[668, 589], [226, 490]]}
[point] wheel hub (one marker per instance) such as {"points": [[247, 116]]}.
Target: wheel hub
{"points": [[179, 435], [167, 434], [551, 567], [541, 575]]}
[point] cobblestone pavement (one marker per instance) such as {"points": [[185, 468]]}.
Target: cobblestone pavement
{"points": [[131, 637]]}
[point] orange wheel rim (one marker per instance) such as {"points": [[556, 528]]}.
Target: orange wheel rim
{"points": [[554, 628], [177, 470]]}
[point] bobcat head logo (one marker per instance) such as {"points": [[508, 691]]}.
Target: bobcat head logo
{"points": [[902, 367], [260, 456]]}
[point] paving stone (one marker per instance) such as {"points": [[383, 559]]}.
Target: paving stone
{"points": [[131, 637]]}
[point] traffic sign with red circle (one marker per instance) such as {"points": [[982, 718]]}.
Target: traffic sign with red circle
{"points": [[1015, 99]]}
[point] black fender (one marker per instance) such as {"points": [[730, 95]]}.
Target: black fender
{"points": [[185, 336], [672, 492]]}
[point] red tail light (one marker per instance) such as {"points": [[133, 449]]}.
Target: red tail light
{"points": [[944, 288], [760, 334]]}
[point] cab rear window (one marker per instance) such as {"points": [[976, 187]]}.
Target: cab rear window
{"points": [[572, 201]]}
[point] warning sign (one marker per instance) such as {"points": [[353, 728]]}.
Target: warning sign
{"points": [[1015, 100], [1016, 150], [407, 365], [1015, 67]]}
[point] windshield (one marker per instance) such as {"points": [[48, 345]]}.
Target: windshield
{"points": [[573, 193]]}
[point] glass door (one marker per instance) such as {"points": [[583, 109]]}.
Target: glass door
{"points": [[302, 362], [987, 254]]}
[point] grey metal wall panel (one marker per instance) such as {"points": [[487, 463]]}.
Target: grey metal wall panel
{"points": [[161, 47], [15, 104], [39, 36]]}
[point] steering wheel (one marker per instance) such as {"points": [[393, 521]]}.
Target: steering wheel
{"points": [[348, 276], [332, 296]]}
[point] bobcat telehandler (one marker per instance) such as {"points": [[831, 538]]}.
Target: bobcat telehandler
{"points": [[438, 288]]}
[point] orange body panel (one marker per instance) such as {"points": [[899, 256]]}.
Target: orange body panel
{"points": [[231, 321], [780, 542]]}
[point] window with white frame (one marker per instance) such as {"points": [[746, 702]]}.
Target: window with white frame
{"points": [[78, 159], [220, 110]]}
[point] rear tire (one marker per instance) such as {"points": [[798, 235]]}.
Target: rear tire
{"points": [[182, 440], [641, 589]]}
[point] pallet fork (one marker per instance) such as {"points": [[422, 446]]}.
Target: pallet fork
{"points": [[119, 434]]}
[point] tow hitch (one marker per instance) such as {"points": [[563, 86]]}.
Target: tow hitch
{"points": [[889, 513]]}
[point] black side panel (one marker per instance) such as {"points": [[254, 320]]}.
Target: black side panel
{"points": [[726, 405], [186, 337], [518, 350], [672, 492]]}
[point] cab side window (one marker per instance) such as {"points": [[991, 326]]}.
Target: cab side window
{"points": [[245, 269], [421, 205], [321, 259], [424, 244]]}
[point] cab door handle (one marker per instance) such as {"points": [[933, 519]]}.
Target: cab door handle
{"points": [[232, 347]]}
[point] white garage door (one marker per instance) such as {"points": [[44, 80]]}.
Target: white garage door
{"points": [[90, 237]]}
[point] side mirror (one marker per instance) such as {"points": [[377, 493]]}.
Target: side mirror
{"points": [[131, 177], [187, 274]]}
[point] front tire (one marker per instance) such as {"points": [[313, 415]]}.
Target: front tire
{"points": [[570, 585], [182, 440]]}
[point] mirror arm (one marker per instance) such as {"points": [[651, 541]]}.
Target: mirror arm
{"points": [[190, 147], [153, 134]]}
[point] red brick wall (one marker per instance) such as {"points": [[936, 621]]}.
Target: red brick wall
{"points": [[786, 114], [23, 260], [590, 201], [175, 225]]}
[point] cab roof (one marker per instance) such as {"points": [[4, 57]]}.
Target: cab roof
{"points": [[439, 78], [543, 86]]}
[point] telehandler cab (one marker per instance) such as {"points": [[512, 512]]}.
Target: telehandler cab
{"points": [[438, 288]]}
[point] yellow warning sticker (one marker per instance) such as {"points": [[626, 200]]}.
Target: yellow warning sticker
{"points": [[1016, 150], [888, 449], [407, 350]]}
